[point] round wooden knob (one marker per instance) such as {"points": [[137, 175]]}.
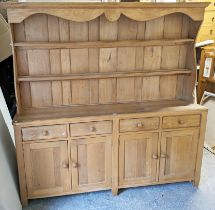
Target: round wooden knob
{"points": [[140, 125], [65, 165], [163, 155], [211, 31], [74, 165], [45, 133], [154, 156], [93, 129], [181, 122], [212, 19]]}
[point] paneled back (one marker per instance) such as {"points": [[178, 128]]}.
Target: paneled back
{"points": [[110, 62]]}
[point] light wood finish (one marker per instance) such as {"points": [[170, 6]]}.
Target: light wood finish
{"points": [[207, 30], [87, 11], [91, 128], [44, 132], [178, 154], [91, 163], [104, 91], [100, 44], [117, 64], [46, 168], [141, 124], [138, 156], [181, 121]]}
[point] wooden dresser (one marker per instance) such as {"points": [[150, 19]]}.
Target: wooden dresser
{"points": [[105, 96]]}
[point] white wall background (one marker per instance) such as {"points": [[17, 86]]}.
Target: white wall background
{"points": [[9, 195]]}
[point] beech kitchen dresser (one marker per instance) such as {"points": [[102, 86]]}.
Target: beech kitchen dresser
{"points": [[105, 95]]}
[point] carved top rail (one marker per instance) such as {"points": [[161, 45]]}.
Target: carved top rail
{"points": [[80, 12]]}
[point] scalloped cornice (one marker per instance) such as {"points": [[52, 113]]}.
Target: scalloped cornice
{"points": [[86, 12]]}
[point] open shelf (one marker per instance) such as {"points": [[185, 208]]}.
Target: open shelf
{"points": [[28, 115], [102, 44], [105, 75]]}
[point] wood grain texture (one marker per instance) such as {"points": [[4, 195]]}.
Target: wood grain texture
{"points": [[112, 11], [105, 96], [100, 51]]}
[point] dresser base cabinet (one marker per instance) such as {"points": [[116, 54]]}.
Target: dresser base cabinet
{"points": [[140, 149]]}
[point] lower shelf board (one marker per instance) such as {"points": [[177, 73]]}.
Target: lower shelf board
{"points": [[28, 115]]}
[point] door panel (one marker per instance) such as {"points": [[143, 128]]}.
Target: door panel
{"points": [[178, 154], [138, 159], [46, 166], [91, 163]]}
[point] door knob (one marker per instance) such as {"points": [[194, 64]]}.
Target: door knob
{"points": [[65, 165], [139, 125], [93, 129], [154, 156], [181, 122], [74, 165], [45, 133]]}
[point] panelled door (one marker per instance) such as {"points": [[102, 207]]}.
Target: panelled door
{"points": [[178, 155], [138, 159], [91, 163], [47, 168]]}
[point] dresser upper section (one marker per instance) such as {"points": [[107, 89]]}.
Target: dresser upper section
{"points": [[103, 53]]}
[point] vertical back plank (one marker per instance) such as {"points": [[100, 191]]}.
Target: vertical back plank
{"points": [[150, 88], [168, 87], [170, 54], [36, 29], [152, 55], [107, 60], [94, 60], [125, 89], [107, 91], [55, 62], [80, 92], [65, 62]]}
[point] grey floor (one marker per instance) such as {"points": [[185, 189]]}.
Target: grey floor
{"points": [[168, 197]]}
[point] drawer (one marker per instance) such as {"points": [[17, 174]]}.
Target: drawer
{"points": [[91, 128], [209, 19], [44, 132], [140, 124], [181, 121], [206, 33]]}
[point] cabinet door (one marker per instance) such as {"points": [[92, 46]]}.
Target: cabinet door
{"points": [[46, 166], [138, 159], [91, 163], [178, 155]]}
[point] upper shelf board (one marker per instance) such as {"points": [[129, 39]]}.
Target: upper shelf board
{"points": [[81, 12]]}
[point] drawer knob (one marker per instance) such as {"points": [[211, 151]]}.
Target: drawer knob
{"points": [[74, 165], [154, 156], [140, 125], [65, 165], [93, 129], [181, 122], [212, 19], [45, 133], [163, 156], [211, 31]]}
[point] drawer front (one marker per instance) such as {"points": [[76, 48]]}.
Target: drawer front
{"points": [[44, 132], [181, 121], [206, 33], [209, 19], [140, 124], [91, 128]]}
